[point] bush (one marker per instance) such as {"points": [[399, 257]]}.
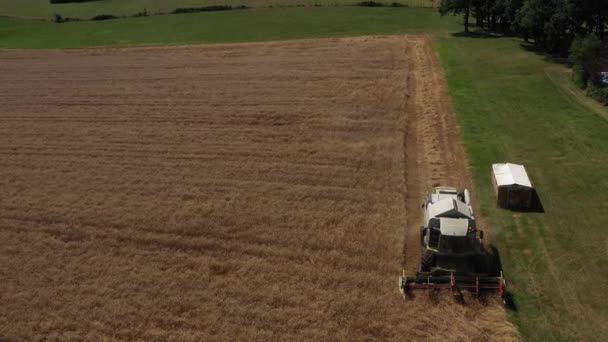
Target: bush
{"points": [[104, 17], [370, 4], [578, 76], [398, 4], [69, 1], [583, 56], [206, 9], [143, 13], [59, 19], [598, 93]]}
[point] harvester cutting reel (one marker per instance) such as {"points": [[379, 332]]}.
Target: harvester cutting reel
{"points": [[450, 280]]}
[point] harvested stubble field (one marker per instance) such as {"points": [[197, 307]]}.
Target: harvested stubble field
{"points": [[250, 191]]}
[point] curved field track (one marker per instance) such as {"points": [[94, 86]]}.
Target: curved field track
{"points": [[254, 191]]}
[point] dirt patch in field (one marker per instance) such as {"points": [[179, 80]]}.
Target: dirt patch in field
{"points": [[255, 191]]}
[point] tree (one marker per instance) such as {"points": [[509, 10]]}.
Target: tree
{"points": [[559, 30], [584, 54], [507, 11], [532, 18], [457, 7], [589, 15]]}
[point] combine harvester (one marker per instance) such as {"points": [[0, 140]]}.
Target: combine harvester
{"points": [[453, 257]]}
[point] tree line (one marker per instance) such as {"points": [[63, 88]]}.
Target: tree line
{"points": [[573, 28]]}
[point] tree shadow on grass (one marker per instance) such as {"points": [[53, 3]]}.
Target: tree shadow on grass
{"points": [[547, 57], [527, 46], [476, 34]]}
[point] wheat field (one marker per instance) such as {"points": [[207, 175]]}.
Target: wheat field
{"points": [[249, 191]]}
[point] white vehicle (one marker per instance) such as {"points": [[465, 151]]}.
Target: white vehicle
{"points": [[445, 202], [452, 252], [449, 228]]}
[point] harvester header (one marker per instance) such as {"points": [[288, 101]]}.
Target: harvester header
{"points": [[437, 281]]}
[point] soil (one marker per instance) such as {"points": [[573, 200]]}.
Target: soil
{"points": [[246, 191]]}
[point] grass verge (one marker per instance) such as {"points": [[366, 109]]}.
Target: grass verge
{"points": [[562, 77], [510, 110]]}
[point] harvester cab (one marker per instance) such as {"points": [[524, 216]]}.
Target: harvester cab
{"points": [[452, 252]]}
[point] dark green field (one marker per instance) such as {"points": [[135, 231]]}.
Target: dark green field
{"points": [[221, 27], [508, 108], [43, 9]]}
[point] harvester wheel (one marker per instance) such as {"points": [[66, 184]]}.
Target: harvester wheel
{"points": [[422, 231], [494, 267], [427, 260], [487, 263]]}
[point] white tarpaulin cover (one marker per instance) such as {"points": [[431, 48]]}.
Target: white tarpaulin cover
{"points": [[511, 174], [448, 207], [453, 227]]}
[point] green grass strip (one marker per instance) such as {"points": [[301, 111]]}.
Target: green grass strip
{"points": [[510, 110]]}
